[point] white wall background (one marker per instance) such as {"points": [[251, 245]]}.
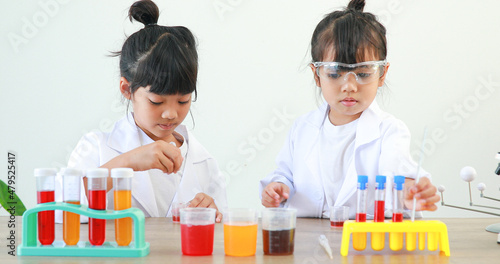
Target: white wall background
{"points": [[57, 82]]}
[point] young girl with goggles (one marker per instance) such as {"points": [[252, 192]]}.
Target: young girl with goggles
{"points": [[349, 135]]}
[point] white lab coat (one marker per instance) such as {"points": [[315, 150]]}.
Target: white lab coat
{"points": [[381, 147], [201, 172]]}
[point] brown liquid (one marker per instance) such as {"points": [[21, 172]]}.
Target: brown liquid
{"points": [[278, 242]]}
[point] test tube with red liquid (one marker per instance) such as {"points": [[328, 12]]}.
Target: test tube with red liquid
{"points": [[122, 194], [378, 238], [396, 239], [96, 183], [359, 238], [398, 200], [71, 194], [45, 185]]}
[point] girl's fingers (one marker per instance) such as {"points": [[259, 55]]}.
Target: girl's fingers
{"points": [[218, 217], [174, 155], [272, 193], [168, 165]]}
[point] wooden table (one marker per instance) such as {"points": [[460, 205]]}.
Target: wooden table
{"points": [[469, 243]]}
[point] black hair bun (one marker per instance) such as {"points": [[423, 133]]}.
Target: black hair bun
{"points": [[144, 11], [357, 5]]}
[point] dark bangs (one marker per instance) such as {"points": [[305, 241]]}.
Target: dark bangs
{"points": [[350, 37], [163, 58], [169, 68]]}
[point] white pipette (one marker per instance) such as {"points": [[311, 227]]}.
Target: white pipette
{"points": [[323, 241], [418, 173]]}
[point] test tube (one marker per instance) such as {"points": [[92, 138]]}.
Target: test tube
{"points": [[359, 238], [97, 179], [45, 185], [71, 194], [122, 184], [396, 238], [378, 238]]}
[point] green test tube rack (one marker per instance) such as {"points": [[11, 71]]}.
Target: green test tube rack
{"points": [[31, 247]]}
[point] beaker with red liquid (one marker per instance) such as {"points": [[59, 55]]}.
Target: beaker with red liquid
{"points": [[45, 185], [96, 183], [197, 231], [338, 215]]}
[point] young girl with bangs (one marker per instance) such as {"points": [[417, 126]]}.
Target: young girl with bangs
{"points": [[159, 68], [349, 135]]}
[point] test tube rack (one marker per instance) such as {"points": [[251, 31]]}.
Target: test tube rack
{"points": [[31, 247], [437, 234]]}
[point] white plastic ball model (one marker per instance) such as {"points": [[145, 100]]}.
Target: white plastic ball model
{"points": [[481, 187], [468, 174], [441, 188]]}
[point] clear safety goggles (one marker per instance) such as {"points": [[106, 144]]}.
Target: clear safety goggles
{"points": [[337, 72]]}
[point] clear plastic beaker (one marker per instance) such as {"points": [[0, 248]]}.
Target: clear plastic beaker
{"points": [[45, 185], [176, 216], [71, 194], [240, 232], [96, 182], [338, 215], [278, 230], [197, 231], [122, 184]]}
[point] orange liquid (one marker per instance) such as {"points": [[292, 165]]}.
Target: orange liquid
{"points": [[123, 227], [359, 240], [240, 240], [71, 226]]}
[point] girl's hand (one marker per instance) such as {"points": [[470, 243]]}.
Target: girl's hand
{"points": [[424, 192], [274, 194], [157, 155], [205, 201]]}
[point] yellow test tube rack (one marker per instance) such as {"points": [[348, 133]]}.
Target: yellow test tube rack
{"points": [[437, 235]]}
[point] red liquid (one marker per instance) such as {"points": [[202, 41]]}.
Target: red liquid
{"points": [[278, 242], [97, 227], [360, 217], [336, 224], [45, 219], [176, 218], [397, 217], [379, 211], [197, 240]]}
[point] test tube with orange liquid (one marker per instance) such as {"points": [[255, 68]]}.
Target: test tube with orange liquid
{"points": [[396, 238], [71, 194], [359, 238], [97, 179], [45, 185], [122, 184]]}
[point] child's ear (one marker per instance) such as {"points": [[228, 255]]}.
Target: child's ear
{"points": [[316, 77], [125, 88], [382, 78]]}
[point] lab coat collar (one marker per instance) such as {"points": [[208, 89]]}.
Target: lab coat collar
{"points": [[368, 123], [125, 135]]}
